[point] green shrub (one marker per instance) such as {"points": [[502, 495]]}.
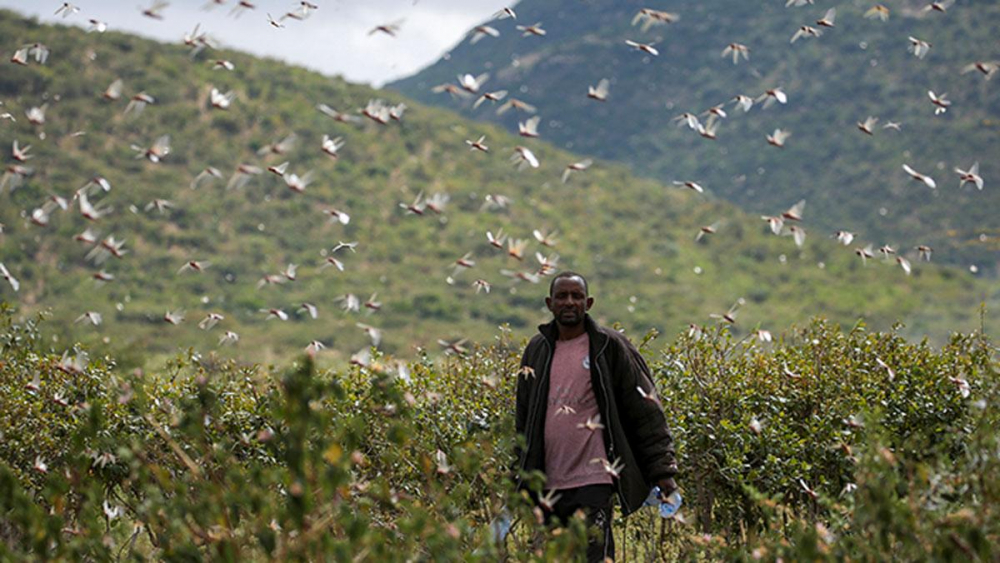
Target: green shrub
{"points": [[212, 459]]}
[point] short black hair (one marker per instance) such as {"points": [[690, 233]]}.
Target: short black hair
{"points": [[568, 274]]}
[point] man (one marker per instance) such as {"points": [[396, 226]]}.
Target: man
{"points": [[586, 407]]}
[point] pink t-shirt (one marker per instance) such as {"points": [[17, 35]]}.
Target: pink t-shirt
{"points": [[569, 444]]}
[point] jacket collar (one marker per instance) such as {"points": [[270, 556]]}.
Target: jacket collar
{"points": [[550, 330]]}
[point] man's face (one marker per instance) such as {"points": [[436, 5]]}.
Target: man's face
{"points": [[569, 301]]}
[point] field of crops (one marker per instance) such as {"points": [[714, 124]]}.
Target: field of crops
{"points": [[829, 443]]}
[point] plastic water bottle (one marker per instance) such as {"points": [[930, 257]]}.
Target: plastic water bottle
{"points": [[669, 507], [500, 526]]}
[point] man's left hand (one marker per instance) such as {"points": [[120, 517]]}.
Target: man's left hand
{"points": [[667, 486]]}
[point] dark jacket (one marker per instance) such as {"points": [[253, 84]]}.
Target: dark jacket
{"points": [[635, 428]]}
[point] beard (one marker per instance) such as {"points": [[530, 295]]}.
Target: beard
{"points": [[571, 317]]}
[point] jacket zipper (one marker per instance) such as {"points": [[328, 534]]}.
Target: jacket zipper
{"points": [[607, 411]]}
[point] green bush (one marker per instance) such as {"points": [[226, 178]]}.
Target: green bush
{"points": [[210, 459]]}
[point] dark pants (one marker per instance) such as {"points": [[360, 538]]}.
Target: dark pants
{"points": [[596, 502]]}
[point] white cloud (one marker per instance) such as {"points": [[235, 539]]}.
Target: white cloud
{"points": [[334, 40]]}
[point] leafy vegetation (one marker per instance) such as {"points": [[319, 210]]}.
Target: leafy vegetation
{"points": [[859, 68], [826, 443], [634, 238], [830, 444]]}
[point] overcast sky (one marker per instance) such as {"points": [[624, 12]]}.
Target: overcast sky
{"points": [[334, 40]]}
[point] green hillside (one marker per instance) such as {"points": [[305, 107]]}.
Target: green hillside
{"points": [[857, 69], [635, 238]]}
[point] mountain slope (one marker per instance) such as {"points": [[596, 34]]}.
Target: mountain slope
{"points": [[634, 238], [859, 68]]}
